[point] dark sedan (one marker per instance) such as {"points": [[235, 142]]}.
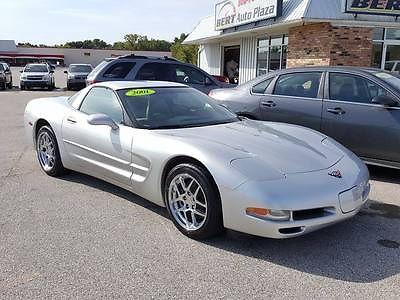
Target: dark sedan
{"points": [[359, 107]]}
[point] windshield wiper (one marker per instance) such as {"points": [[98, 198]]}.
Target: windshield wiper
{"points": [[169, 127], [177, 126]]}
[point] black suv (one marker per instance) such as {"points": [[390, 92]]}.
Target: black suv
{"points": [[134, 67], [5, 76]]}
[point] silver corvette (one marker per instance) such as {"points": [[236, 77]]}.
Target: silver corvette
{"points": [[176, 147]]}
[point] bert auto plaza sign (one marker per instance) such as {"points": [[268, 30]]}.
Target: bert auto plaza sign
{"points": [[373, 7], [231, 13]]}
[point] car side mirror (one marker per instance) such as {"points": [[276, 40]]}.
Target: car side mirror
{"points": [[102, 119], [21, 71], [385, 100], [208, 81], [66, 72], [51, 71]]}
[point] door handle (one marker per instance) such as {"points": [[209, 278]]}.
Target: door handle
{"points": [[71, 120], [268, 103], [336, 111]]}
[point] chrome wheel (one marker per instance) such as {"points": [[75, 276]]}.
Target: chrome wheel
{"points": [[187, 202], [46, 151]]}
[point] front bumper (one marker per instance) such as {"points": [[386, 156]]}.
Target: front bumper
{"points": [[315, 200], [76, 83], [35, 83]]}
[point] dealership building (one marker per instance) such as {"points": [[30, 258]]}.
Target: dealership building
{"points": [[20, 56], [253, 37]]}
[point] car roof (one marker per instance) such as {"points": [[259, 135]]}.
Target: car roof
{"points": [[121, 85]]}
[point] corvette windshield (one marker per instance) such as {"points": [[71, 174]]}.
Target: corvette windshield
{"points": [[166, 108]]}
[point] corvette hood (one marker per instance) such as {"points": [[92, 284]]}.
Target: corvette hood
{"points": [[287, 148]]}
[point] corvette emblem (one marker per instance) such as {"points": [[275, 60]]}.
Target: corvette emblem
{"points": [[336, 174]]}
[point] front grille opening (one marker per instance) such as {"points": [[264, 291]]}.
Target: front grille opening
{"points": [[315, 213], [291, 230]]}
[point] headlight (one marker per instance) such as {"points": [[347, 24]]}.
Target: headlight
{"points": [[71, 76], [46, 77], [23, 76]]}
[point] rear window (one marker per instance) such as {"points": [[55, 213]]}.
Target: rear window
{"points": [[119, 70]]}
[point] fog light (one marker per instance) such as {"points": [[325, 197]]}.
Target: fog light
{"points": [[268, 214]]}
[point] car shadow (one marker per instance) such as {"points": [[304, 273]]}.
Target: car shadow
{"points": [[355, 251], [115, 190]]}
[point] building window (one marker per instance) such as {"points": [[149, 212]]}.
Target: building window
{"points": [[377, 50], [386, 49], [271, 54]]}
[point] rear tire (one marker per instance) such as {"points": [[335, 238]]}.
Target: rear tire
{"points": [[10, 85], [193, 202], [48, 153], [3, 86]]}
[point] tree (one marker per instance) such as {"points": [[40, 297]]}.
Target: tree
{"points": [[142, 43], [185, 53], [87, 44]]}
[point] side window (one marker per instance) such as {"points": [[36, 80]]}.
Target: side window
{"points": [[261, 87], [185, 74], [154, 71], [305, 85], [119, 70], [353, 88], [102, 101]]}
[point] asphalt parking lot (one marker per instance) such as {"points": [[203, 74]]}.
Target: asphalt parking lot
{"points": [[79, 237]]}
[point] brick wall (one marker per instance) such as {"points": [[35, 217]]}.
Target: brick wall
{"points": [[323, 44]]}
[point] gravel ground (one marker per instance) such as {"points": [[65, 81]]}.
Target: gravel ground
{"points": [[79, 237]]}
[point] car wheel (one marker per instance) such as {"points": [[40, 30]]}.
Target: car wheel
{"points": [[193, 202], [10, 85], [3, 86], [22, 87], [48, 153]]}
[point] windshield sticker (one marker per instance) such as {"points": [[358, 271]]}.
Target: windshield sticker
{"points": [[140, 92]]}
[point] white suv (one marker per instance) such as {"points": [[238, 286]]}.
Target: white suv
{"points": [[37, 75]]}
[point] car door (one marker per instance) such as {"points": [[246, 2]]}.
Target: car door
{"points": [[370, 130], [98, 148], [192, 77], [295, 98]]}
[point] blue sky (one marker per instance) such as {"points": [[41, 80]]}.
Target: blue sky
{"points": [[58, 21]]}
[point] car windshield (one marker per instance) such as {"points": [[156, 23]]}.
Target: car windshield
{"points": [[389, 78], [167, 108], [80, 69], [36, 68]]}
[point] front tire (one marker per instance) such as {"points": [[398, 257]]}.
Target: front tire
{"points": [[193, 202], [48, 153]]}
